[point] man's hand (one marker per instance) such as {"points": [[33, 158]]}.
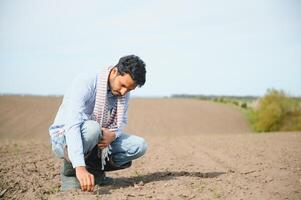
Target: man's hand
{"points": [[107, 137], [85, 179]]}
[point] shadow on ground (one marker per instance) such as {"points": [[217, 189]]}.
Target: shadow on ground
{"points": [[123, 182]]}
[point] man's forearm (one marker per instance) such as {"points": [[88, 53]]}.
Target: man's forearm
{"points": [[75, 146]]}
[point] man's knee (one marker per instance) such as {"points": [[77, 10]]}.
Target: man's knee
{"points": [[91, 130], [143, 147], [139, 148]]}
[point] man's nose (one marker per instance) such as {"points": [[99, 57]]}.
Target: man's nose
{"points": [[123, 91]]}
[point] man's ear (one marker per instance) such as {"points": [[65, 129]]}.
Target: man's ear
{"points": [[115, 71]]}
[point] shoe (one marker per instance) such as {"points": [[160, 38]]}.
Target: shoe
{"points": [[102, 179], [111, 165], [93, 165], [68, 169], [68, 182]]}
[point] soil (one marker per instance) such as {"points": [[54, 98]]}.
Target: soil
{"points": [[196, 150]]}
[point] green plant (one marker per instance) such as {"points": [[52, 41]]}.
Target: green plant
{"points": [[276, 111], [244, 105]]}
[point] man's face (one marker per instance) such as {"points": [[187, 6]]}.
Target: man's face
{"points": [[121, 84]]}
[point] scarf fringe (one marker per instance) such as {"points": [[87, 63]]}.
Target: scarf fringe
{"points": [[105, 156]]}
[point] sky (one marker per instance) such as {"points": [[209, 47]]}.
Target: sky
{"points": [[204, 47]]}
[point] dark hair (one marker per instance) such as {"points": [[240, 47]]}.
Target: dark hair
{"points": [[133, 66]]}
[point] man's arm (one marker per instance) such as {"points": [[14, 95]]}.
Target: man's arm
{"points": [[77, 96]]}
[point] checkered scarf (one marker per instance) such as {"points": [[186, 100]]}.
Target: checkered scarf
{"points": [[101, 113]]}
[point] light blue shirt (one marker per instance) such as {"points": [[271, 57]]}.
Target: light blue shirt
{"points": [[77, 107]]}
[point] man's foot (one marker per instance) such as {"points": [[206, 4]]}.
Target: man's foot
{"points": [[68, 169], [112, 166], [93, 165], [68, 182], [102, 179]]}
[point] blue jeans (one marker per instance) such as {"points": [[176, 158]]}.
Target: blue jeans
{"points": [[125, 148]]}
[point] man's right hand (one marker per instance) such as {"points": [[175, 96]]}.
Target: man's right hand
{"points": [[85, 179]]}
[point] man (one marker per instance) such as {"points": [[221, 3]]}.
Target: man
{"points": [[87, 130]]}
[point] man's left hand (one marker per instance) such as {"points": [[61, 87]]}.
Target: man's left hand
{"points": [[107, 137]]}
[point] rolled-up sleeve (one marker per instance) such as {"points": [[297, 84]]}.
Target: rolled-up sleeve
{"points": [[78, 94]]}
